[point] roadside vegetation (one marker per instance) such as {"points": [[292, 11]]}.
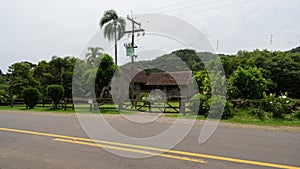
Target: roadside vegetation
{"points": [[262, 86]]}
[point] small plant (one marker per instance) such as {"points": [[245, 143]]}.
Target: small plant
{"points": [[31, 97], [56, 93], [260, 113], [278, 106]]}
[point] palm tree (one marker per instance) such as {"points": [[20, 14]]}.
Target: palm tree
{"points": [[114, 27], [92, 55]]}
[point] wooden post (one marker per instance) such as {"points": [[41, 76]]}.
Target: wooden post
{"points": [[150, 107], [96, 105], [164, 106], [65, 108], [91, 104], [182, 107]]}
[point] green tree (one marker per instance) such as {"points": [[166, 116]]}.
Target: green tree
{"points": [[247, 84], [56, 93], [4, 93], [114, 28], [203, 82], [20, 77], [105, 72], [62, 71], [31, 97], [230, 64], [3, 96], [2, 80], [42, 73], [78, 82], [57, 65], [93, 53], [284, 70]]}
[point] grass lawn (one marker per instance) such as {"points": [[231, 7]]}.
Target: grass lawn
{"points": [[241, 116], [105, 109]]}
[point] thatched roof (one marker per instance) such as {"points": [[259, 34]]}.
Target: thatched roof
{"points": [[170, 78], [139, 76]]}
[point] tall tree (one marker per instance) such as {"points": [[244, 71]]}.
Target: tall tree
{"points": [[42, 73], [114, 28], [93, 53], [99, 77], [20, 77]]}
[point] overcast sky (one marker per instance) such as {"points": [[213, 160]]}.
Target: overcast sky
{"points": [[33, 30]]}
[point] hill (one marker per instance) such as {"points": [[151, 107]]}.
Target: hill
{"points": [[180, 60], [295, 50]]}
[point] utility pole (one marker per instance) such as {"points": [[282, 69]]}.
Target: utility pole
{"points": [[271, 39], [132, 46]]}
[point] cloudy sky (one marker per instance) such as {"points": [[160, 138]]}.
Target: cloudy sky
{"points": [[32, 30]]}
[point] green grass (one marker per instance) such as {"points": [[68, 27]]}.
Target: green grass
{"points": [[244, 117], [241, 116], [188, 116], [82, 109], [36, 109]]}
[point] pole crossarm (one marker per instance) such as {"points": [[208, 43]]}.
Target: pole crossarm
{"points": [[138, 30], [132, 20]]}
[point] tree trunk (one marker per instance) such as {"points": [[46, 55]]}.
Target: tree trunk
{"points": [[116, 45]]}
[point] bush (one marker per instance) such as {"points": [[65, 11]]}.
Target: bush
{"points": [[197, 104], [247, 84], [278, 106], [260, 113], [55, 93], [31, 97], [218, 103], [204, 105], [297, 114], [3, 97]]}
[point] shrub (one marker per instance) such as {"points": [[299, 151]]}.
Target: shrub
{"points": [[31, 97], [3, 97], [247, 84], [55, 93], [260, 113], [278, 106], [216, 105], [197, 104], [204, 105], [297, 114]]}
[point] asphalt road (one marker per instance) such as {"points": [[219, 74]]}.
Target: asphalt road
{"points": [[39, 140]]}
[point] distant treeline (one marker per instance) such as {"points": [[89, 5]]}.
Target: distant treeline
{"points": [[280, 70]]}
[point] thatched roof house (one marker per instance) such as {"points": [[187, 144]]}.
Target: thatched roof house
{"points": [[174, 84], [170, 78], [138, 75]]}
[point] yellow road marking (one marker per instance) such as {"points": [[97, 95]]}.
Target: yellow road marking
{"points": [[235, 160], [130, 150]]}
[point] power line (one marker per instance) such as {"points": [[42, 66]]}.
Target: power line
{"points": [[168, 6], [195, 5], [219, 7]]}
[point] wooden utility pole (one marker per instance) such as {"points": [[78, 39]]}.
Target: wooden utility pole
{"points": [[132, 32]]}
